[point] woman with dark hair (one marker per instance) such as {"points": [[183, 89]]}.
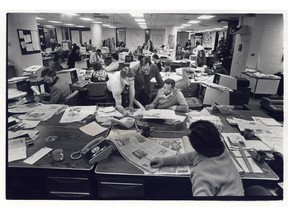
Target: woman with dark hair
{"points": [[213, 172], [74, 56], [98, 74]]}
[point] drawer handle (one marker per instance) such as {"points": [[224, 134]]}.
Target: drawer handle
{"points": [[121, 183], [69, 194]]}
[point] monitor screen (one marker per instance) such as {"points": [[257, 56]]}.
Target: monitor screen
{"points": [[129, 58], [74, 76]]}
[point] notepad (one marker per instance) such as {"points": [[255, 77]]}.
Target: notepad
{"points": [[38, 155]]}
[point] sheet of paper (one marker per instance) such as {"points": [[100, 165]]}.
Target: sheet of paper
{"points": [[92, 129], [159, 114], [27, 38], [29, 47], [267, 121], [16, 149], [255, 167], [35, 40], [24, 108], [31, 133], [38, 155], [21, 34], [28, 124], [77, 113], [257, 145]]}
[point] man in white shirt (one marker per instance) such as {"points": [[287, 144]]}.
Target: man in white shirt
{"points": [[114, 65], [198, 48]]}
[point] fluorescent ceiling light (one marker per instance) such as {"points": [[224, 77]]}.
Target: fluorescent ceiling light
{"points": [[217, 29], [205, 17], [69, 24], [225, 27], [194, 21], [142, 23], [80, 26], [39, 18], [107, 25], [71, 14], [180, 27], [54, 21], [186, 25], [86, 18], [140, 20], [49, 26], [97, 22], [137, 14]]}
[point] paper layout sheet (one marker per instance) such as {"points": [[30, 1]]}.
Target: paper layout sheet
{"points": [[16, 149], [37, 156], [24, 108], [177, 145], [77, 113], [42, 113], [32, 134], [138, 150], [92, 129], [104, 114]]}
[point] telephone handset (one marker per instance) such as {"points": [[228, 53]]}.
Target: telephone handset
{"points": [[96, 150]]}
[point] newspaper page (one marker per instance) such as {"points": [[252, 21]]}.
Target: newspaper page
{"points": [[138, 150], [24, 108], [177, 145], [41, 113], [77, 113], [158, 114]]}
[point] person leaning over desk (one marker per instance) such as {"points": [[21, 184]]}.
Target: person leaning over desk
{"points": [[213, 172], [169, 97], [59, 88], [120, 88], [144, 72]]}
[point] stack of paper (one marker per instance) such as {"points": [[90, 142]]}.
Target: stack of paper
{"points": [[77, 113], [16, 149]]}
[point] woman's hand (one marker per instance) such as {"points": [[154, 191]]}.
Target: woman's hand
{"points": [[157, 162]]}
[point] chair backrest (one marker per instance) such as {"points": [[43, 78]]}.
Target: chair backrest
{"points": [[72, 99], [96, 90]]}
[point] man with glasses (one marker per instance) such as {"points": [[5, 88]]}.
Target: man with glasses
{"points": [[59, 88], [169, 97], [121, 90], [144, 72]]}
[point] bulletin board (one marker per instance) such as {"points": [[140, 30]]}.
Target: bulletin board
{"points": [[29, 41]]}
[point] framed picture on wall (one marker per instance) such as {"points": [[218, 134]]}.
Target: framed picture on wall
{"points": [[29, 41]]}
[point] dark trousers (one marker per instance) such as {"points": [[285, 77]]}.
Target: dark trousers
{"points": [[143, 98]]}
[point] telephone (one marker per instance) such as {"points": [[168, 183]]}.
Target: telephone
{"points": [[96, 150]]}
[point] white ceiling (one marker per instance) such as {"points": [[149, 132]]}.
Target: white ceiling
{"points": [[125, 20]]}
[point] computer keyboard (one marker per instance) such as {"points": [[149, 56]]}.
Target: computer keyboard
{"points": [[81, 83]]}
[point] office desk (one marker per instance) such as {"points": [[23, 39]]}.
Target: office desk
{"points": [[119, 179], [262, 85], [48, 179]]}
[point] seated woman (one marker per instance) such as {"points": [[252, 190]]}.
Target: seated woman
{"points": [[98, 74], [213, 172]]}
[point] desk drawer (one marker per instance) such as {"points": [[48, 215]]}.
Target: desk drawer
{"points": [[69, 195], [120, 189], [69, 184]]}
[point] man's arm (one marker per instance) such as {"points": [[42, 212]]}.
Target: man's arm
{"points": [[183, 105], [131, 95], [55, 96]]}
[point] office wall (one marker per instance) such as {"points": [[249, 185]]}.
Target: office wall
{"points": [[134, 38], [21, 21], [157, 36], [59, 34], [268, 32], [182, 38], [264, 39], [108, 32]]}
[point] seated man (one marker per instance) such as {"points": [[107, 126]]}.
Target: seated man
{"points": [[59, 88], [114, 65], [56, 63], [169, 97]]}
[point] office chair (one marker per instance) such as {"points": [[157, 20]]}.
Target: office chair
{"points": [[72, 99], [96, 91]]}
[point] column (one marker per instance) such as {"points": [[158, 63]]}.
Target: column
{"points": [[96, 35], [170, 40]]}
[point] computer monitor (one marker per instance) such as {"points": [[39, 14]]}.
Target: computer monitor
{"points": [[129, 58], [225, 80], [74, 76], [70, 75]]}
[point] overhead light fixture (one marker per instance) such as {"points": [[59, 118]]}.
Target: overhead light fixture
{"points": [[217, 29], [80, 26], [142, 23], [97, 22], [71, 14], [86, 18], [180, 27], [205, 17], [69, 24], [49, 26], [39, 18], [225, 27], [186, 25], [137, 14], [140, 20], [194, 21], [52, 21]]}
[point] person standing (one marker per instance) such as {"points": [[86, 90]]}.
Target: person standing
{"points": [[74, 56]]}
